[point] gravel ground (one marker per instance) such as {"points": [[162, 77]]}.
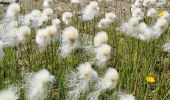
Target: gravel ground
{"points": [[120, 7]]}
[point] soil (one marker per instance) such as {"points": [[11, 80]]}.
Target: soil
{"points": [[120, 7]]}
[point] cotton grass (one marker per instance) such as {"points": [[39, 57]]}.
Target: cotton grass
{"points": [[91, 11], [100, 38], [69, 40], [102, 54], [81, 81], [9, 94], [108, 82], [126, 97], [38, 85], [13, 10]]}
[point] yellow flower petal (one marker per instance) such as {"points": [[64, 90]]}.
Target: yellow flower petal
{"points": [[160, 14], [150, 79]]}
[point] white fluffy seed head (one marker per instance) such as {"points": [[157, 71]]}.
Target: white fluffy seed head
{"points": [[166, 15], [111, 75], [56, 22], [42, 33], [47, 12], [110, 79], [1, 50], [35, 15], [110, 17], [138, 3], [1, 44], [8, 94], [42, 37], [91, 11], [33, 19], [126, 97], [153, 2], [143, 31], [67, 17], [43, 77], [161, 24], [14, 24], [28, 20], [104, 50], [103, 23], [133, 21], [138, 13], [23, 33], [147, 3], [161, 3], [38, 85], [86, 72], [166, 47], [102, 54], [100, 38], [85, 69], [70, 34], [13, 10], [146, 33], [142, 28], [51, 31], [76, 1], [93, 4], [133, 7], [11, 37], [46, 3], [43, 20], [152, 13]]}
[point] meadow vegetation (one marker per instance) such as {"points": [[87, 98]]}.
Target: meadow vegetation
{"points": [[86, 53]]}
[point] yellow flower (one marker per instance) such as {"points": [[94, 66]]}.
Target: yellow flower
{"points": [[150, 79], [160, 14]]}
